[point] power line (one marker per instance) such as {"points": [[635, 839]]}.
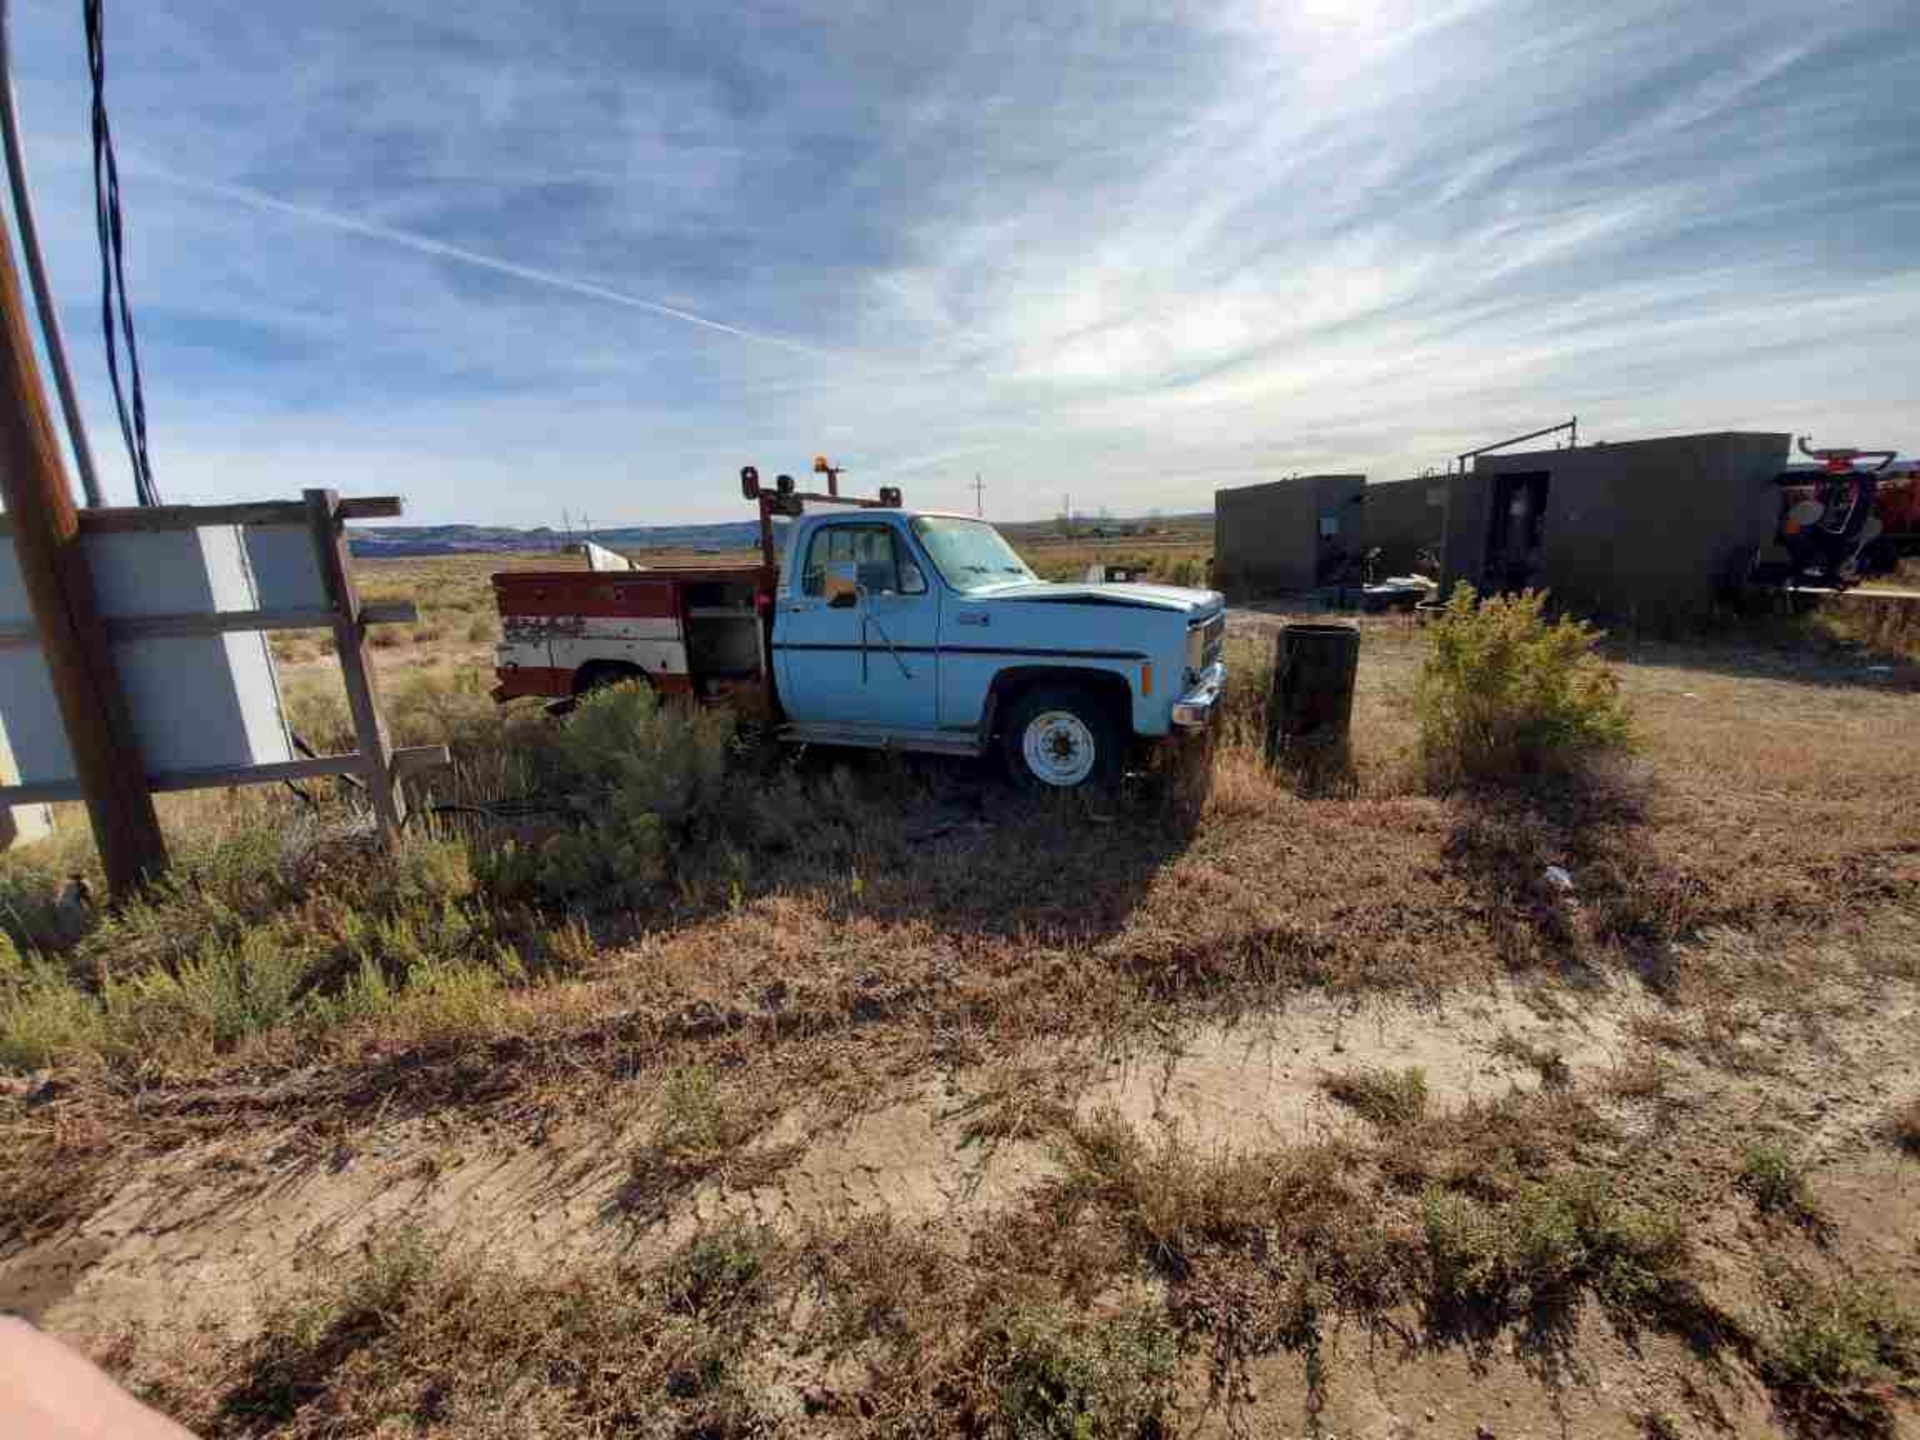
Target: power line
{"points": [[37, 269], [111, 227]]}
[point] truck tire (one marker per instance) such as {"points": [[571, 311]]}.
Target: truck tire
{"points": [[1061, 737]]}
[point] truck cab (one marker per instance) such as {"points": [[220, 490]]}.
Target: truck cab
{"points": [[924, 631]]}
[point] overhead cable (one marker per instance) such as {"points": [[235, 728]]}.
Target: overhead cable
{"points": [[111, 226]]}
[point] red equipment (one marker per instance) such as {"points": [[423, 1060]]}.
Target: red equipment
{"points": [[1849, 518]]}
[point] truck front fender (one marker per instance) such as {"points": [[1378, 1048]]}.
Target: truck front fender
{"points": [[1015, 680]]}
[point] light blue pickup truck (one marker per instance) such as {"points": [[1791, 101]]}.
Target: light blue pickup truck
{"points": [[872, 625], [922, 631]]}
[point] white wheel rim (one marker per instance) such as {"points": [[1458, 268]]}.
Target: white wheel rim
{"points": [[1058, 748]]}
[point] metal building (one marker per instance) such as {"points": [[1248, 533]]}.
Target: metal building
{"points": [[1650, 530], [1286, 535]]}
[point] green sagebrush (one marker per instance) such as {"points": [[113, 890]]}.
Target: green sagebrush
{"points": [[1506, 692], [648, 781]]}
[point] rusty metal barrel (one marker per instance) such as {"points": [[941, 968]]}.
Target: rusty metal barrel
{"points": [[1310, 709]]}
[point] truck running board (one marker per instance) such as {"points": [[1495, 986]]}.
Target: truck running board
{"points": [[923, 742]]}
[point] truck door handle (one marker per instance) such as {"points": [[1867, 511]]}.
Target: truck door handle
{"points": [[972, 617], [799, 607]]}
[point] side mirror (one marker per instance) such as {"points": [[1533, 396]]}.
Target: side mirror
{"points": [[842, 585]]}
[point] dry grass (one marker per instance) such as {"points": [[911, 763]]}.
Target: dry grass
{"points": [[1382, 1096], [447, 1342], [1169, 559], [882, 923], [454, 595], [1469, 1218]]}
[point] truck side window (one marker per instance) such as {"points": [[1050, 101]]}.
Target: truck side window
{"points": [[871, 549]]}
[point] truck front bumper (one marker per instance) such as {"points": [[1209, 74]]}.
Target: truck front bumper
{"points": [[1195, 709]]}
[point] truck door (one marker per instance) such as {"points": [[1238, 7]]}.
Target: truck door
{"points": [[868, 661]]}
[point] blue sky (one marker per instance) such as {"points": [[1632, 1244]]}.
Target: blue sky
{"points": [[513, 255]]}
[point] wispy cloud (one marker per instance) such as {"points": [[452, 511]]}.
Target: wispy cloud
{"points": [[518, 255], [440, 250]]}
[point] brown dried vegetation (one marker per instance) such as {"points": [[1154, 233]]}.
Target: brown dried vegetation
{"points": [[885, 928]]}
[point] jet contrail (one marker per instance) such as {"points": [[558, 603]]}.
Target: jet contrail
{"points": [[426, 245]]}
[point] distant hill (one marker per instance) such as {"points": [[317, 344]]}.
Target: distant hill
{"points": [[372, 542], [403, 540]]}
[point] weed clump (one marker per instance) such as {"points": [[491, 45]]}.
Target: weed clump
{"points": [[717, 1273], [1386, 1097], [693, 1119], [1777, 1181], [1833, 1353], [1506, 694], [1553, 1238], [1060, 1377]]}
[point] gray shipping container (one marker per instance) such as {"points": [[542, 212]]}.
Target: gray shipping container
{"points": [[1652, 531], [1285, 535]]}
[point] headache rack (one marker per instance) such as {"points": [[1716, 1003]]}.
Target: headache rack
{"points": [[786, 498]]}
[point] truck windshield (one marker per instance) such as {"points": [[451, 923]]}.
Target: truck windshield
{"points": [[970, 554]]}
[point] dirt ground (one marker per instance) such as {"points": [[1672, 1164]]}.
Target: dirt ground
{"points": [[914, 1049]]}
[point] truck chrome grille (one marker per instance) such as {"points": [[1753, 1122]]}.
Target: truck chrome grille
{"points": [[1215, 633]]}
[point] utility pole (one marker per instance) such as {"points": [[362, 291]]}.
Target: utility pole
{"points": [[73, 637], [979, 496]]}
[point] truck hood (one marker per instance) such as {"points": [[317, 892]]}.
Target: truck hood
{"points": [[1149, 597]]}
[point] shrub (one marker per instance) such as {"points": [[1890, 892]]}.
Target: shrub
{"points": [[1506, 693], [1830, 1350], [649, 784], [214, 1000], [451, 708], [1553, 1237], [43, 1017], [1776, 1180], [1063, 1378], [693, 1118], [716, 1272], [1465, 1244]]}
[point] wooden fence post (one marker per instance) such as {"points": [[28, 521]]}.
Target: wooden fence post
{"points": [[73, 637], [356, 665]]}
